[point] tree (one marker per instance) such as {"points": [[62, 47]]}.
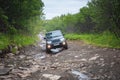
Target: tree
{"points": [[106, 14], [17, 14]]}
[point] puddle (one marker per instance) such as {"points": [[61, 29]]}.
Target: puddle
{"points": [[80, 75], [43, 45], [56, 50], [39, 56], [51, 76], [43, 42]]}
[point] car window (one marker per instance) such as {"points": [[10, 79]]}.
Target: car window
{"points": [[53, 34], [49, 35]]}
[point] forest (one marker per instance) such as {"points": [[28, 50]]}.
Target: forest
{"points": [[20, 21], [97, 23]]}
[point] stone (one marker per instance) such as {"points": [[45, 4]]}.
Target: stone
{"points": [[51, 76], [94, 58], [24, 72], [84, 60], [22, 56], [8, 77], [23, 75], [23, 68], [80, 75], [53, 67], [1, 66], [5, 71], [11, 55], [76, 56], [68, 76]]}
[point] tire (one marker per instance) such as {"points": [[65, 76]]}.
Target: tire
{"points": [[48, 50], [65, 46]]}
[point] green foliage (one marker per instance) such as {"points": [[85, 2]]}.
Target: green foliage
{"points": [[98, 22], [73, 37], [62, 23], [105, 39], [98, 16], [24, 40], [20, 21], [20, 15], [12, 30], [14, 50], [4, 41], [17, 39], [106, 15]]}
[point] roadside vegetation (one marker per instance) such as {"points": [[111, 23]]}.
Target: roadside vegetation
{"points": [[20, 22], [98, 23], [103, 40]]}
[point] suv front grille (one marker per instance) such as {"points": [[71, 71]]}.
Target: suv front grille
{"points": [[56, 41]]}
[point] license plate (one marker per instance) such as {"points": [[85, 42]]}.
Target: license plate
{"points": [[56, 44]]}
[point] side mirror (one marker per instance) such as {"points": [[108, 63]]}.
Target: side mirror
{"points": [[44, 38]]}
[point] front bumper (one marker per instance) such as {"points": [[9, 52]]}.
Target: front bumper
{"points": [[56, 45]]}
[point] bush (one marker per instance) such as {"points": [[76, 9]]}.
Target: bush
{"points": [[17, 39], [4, 41], [105, 39]]}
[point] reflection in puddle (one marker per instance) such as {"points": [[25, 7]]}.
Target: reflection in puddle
{"points": [[56, 50], [80, 75]]}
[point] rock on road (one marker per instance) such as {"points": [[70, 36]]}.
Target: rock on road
{"points": [[79, 62]]}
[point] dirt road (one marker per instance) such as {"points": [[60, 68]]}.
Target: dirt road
{"points": [[80, 62]]}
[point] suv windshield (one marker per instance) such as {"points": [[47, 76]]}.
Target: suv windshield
{"points": [[53, 34]]}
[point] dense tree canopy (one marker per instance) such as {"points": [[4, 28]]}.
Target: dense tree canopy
{"points": [[106, 14], [98, 16], [15, 15]]}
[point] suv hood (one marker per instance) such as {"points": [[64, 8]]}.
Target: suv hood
{"points": [[60, 37]]}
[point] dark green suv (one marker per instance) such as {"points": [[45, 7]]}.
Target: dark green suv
{"points": [[55, 39]]}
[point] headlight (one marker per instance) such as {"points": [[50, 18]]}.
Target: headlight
{"points": [[64, 43], [49, 42], [62, 39], [49, 46]]}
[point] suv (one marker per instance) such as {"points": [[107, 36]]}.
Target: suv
{"points": [[55, 39]]}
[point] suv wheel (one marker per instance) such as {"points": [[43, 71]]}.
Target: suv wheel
{"points": [[48, 50], [65, 46]]}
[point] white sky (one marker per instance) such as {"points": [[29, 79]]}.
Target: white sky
{"points": [[58, 7]]}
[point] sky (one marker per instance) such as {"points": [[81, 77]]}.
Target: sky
{"points": [[55, 8]]}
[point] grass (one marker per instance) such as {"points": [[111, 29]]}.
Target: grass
{"points": [[4, 41], [17, 39], [105, 39], [24, 40]]}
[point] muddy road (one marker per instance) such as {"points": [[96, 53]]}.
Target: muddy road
{"points": [[79, 62]]}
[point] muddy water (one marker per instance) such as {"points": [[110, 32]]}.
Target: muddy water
{"points": [[80, 75], [39, 56]]}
